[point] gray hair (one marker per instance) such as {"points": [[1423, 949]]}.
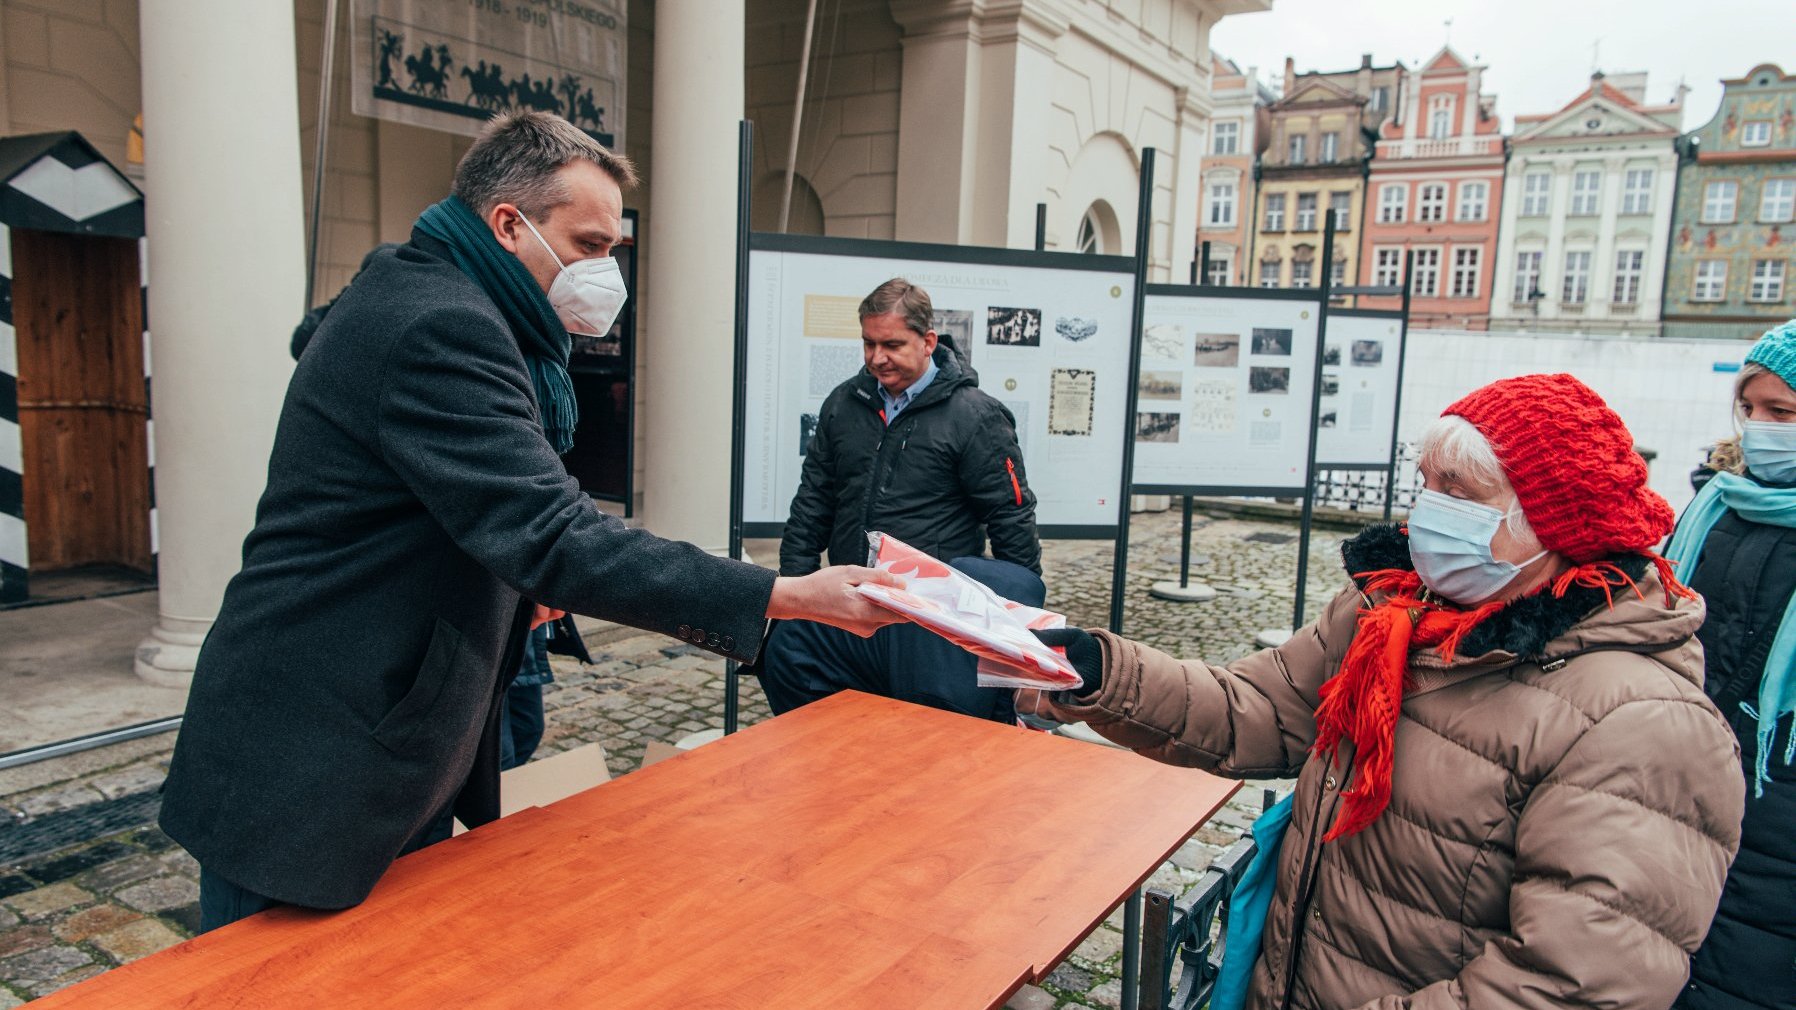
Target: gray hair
{"points": [[1453, 447], [517, 160], [903, 299]]}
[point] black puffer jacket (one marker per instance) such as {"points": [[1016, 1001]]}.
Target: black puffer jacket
{"points": [[945, 474], [1746, 573]]}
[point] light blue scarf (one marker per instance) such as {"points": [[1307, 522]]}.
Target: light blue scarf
{"points": [[1773, 507]]}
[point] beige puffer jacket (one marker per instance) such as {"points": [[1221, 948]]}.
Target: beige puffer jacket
{"points": [[1565, 804]]}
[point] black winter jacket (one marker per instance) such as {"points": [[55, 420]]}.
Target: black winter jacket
{"points": [[1746, 574], [940, 478]]}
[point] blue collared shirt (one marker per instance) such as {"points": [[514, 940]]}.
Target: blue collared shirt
{"points": [[894, 404]]}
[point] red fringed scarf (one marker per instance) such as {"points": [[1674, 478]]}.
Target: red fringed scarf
{"points": [[1360, 703]]}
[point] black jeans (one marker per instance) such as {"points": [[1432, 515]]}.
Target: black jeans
{"points": [[808, 661], [222, 902]]}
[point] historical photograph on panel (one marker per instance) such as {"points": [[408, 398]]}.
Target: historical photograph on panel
{"points": [[1328, 419], [1076, 328], [1070, 395], [1218, 350], [807, 426], [1331, 383], [1156, 427], [1262, 379], [831, 364], [1368, 352], [1013, 327], [1332, 356], [1162, 385], [1271, 341], [1212, 409], [956, 324], [1163, 342]]}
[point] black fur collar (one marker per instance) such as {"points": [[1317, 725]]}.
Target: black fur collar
{"points": [[1523, 628]]}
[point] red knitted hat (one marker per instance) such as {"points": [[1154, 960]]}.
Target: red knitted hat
{"points": [[1572, 463]]}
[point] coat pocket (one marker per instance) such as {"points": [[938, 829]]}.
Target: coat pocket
{"points": [[397, 728]]}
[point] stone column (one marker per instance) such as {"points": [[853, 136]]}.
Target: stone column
{"points": [[227, 253], [691, 260]]}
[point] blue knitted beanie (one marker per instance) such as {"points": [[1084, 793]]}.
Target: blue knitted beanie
{"points": [[1776, 350]]}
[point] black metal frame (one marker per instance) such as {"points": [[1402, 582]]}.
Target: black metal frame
{"points": [[626, 367]]}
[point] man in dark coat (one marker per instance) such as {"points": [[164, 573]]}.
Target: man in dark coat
{"points": [[416, 515], [910, 447]]}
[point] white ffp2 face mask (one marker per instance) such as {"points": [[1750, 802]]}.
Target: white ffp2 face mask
{"points": [[587, 294]]}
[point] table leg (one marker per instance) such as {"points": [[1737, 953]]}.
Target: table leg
{"points": [[1131, 952]]}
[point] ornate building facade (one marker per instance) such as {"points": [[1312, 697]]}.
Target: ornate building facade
{"points": [[1435, 189], [1731, 251], [1239, 132], [1316, 163], [1586, 214]]}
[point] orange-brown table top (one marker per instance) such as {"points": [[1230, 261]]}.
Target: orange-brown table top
{"points": [[859, 852]]}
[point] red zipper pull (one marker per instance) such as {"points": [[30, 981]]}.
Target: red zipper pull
{"points": [[1014, 484]]}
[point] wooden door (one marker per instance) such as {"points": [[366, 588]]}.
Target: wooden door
{"points": [[78, 312]]}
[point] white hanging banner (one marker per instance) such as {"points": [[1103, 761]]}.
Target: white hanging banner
{"points": [[452, 64]]}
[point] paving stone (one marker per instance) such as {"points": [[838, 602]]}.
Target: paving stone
{"points": [[92, 921], [71, 862], [1106, 994], [160, 893], [186, 918], [1100, 947], [15, 883], [55, 800], [8, 1000], [47, 901], [66, 979], [44, 964], [1030, 998], [1069, 978], [152, 839], [181, 861], [138, 939], [135, 779], [8, 918], [24, 938], [116, 874]]}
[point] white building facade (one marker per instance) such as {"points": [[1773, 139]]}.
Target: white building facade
{"points": [[1587, 201]]}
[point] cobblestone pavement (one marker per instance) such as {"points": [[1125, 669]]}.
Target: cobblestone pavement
{"points": [[87, 882]]}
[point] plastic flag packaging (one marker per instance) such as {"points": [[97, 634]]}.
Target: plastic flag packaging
{"points": [[971, 616]]}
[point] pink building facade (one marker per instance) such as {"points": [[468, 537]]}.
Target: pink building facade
{"points": [[1435, 190]]}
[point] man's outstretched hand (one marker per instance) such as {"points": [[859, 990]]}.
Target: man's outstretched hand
{"points": [[828, 597]]}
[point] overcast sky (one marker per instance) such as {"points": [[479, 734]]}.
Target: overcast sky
{"points": [[1539, 53]]}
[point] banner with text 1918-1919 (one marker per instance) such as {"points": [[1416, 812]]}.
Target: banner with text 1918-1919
{"points": [[452, 64]]}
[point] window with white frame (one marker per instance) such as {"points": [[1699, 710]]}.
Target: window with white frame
{"points": [[1337, 271], [1381, 99], [1296, 148], [1275, 212], [1767, 281], [1221, 270], [1269, 273], [1425, 273], [1718, 199], [1387, 267], [1629, 265], [1303, 273], [1587, 188], [1225, 137], [1331, 147], [1576, 289], [1222, 204], [1527, 274], [1756, 133], [1393, 201], [1306, 212], [1474, 199], [1431, 201], [1466, 262], [1537, 193], [1440, 117], [1710, 284], [1637, 191], [1778, 201], [1341, 206]]}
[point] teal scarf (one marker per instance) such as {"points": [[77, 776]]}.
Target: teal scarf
{"points": [[540, 335], [1773, 507]]}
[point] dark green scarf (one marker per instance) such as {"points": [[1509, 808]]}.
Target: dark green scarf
{"points": [[540, 335]]}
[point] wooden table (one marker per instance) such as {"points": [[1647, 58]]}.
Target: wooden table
{"points": [[859, 852]]}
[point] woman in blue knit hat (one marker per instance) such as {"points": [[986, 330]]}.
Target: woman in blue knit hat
{"points": [[1736, 545]]}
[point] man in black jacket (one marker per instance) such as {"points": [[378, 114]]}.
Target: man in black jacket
{"points": [[909, 447], [416, 515]]}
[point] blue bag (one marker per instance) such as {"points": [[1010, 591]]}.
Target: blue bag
{"points": [[1248, 905]]}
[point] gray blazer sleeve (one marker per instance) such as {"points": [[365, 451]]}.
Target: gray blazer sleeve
{"points": [[457, 421]]}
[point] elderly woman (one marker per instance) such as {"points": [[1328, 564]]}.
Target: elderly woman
{"points": [[1736, 544], [1512, 790]]}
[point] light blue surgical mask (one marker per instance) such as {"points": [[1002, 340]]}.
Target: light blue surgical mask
{"points": [[1770, 450], [1449, 541]]}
